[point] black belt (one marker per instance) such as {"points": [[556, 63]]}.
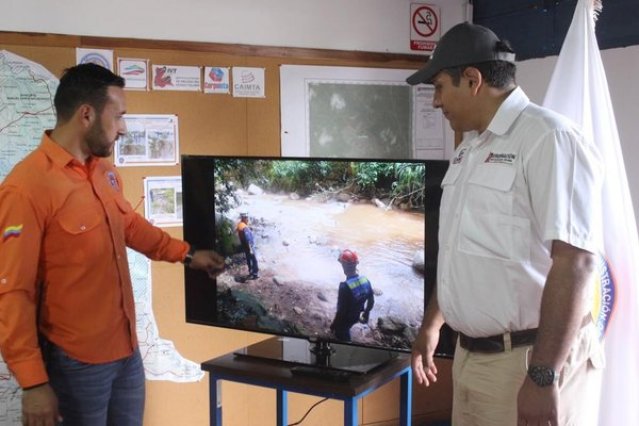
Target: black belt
{"points": [[495, 344], [498, 343]]}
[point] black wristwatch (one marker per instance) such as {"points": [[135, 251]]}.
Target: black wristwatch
{"points": [[189, 257], [543, 376]]}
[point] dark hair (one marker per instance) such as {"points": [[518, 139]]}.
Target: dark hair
{"points": [[83, 84], [498, 74]]}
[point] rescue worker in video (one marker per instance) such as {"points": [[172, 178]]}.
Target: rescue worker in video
{"points": [[247, 242], [355, 298]]}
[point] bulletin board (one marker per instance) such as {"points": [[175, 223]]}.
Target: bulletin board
{"points": [[217, 124]]}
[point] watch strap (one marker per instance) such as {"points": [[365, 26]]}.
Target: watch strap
{"points": [[189, 256]]}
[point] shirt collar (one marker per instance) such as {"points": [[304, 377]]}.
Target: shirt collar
{"points": [[508, 112], [60, 156]]}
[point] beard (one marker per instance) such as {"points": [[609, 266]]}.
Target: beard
{"points": [[97, 141]]}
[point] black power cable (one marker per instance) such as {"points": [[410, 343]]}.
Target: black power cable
{"points": [[308, 412]]}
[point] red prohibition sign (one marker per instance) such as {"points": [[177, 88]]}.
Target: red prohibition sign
{"points": [[425, 21]]}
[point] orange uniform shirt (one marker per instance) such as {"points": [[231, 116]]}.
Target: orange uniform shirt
{"points": [[64, 230]]}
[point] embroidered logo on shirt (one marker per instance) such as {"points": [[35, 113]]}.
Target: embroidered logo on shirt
{"points": [[113, 181], [503, 158], [12, 231], [460, 156]]}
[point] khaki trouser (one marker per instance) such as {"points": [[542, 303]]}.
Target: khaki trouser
{"points": [[485, 386]]}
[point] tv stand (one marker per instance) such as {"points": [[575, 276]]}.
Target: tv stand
{"points": [[322, 350], [320, 353], [267, 372]]}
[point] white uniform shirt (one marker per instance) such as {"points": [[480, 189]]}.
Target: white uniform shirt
{"points": [[527, 180]]}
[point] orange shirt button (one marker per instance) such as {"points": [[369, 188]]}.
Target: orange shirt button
{"points": [[3, 281]]}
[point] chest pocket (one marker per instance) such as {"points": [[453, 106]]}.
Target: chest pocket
{"points": [[78, 237], [488, 227], [450, 178], [80, 222]]}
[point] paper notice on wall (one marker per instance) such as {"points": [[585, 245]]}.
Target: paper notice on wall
{"points": [[102, 57], [216, 80], [175, 77], [248, 82], [428, 125], [135, 73]]}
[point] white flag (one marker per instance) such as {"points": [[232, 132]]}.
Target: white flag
{"points": [[579, 90]]}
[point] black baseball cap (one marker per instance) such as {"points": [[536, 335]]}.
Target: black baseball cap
{"points": [[463, 44]]}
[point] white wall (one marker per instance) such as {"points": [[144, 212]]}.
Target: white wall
{"points": [[362, 25], [621, 67]]}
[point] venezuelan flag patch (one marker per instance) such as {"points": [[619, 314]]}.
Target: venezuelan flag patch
{"points": [[12, 231]]}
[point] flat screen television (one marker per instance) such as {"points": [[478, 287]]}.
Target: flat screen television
{"points": [[302, 214]]}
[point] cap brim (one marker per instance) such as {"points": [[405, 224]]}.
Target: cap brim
{"points": [[422, 76]]}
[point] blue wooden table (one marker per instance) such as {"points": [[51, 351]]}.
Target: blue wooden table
{"points": [[277, 375]]}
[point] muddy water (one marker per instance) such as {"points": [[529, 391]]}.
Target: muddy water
{"points": [[301, 239]]}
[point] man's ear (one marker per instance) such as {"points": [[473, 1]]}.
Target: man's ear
{"points": [[86, 115], [473, 78]]}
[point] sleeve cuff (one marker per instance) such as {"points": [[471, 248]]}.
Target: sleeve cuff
{"points": [[30, 373]]}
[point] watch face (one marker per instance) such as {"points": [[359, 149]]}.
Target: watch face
{"points": [[542, 376]]}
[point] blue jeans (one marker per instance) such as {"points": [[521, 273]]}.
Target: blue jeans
{"points": [[110, 394], [251, 262]]}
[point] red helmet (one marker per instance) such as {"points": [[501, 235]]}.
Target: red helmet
{"points": [[348, 256]]}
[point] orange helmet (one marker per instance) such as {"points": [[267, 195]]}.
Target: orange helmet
{"points": [[348, 256]]}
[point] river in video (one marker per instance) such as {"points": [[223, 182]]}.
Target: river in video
{"points": [[301, 240]]}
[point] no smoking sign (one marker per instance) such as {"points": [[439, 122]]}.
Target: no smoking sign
{"points": [[424, 26]]}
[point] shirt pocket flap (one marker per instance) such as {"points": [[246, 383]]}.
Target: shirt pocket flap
{"points": [[78, 222], [494, 176]]}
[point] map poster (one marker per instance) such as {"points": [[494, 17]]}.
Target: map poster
{"points": [[102, 57], [135, 73], [26, 107], [151, 140], [163, 200]]}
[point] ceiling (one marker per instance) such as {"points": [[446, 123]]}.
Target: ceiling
{"points": [[536, 28]]}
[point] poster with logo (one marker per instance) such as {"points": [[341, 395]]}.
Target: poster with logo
{"points": [[176, 77], [150, 140], [248, 82], [216, 80], [102, 57], [135, 73]]}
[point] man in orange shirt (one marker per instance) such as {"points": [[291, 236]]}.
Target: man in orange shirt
{"points": [[67, 316], [247, 241]]}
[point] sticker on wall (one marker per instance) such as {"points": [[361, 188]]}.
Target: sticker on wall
{"points": [[248, 82], [135, 73], [176, 77], [102, 57], [216, 80], [424, 26]]}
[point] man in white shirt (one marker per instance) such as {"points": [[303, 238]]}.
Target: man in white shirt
{"points": [[520, 231]]}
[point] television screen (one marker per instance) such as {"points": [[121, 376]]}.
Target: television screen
{"points": [[332, 250]]}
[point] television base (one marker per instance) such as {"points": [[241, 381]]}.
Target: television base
{"points": [[320, 353]]}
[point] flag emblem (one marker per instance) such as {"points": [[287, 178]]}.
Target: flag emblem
{"points": [[11, 231], [604, 301], [113, 181]]}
